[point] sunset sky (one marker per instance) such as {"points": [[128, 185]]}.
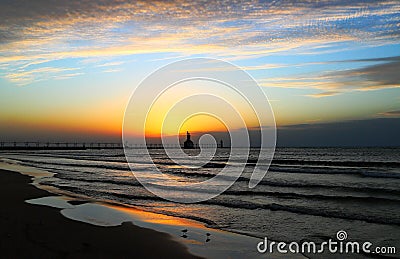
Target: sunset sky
{"points": [[68, 68]]}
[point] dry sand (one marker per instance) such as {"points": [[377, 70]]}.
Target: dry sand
{"points": [[35, 231]]}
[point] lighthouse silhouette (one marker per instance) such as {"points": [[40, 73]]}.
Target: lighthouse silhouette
{"points": [[188, 143]]}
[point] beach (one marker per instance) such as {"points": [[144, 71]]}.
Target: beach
{"points": [[308, 194], [48, 222], [30, 230]]}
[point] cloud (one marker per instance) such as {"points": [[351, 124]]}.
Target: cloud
{"points": [[390, 113], [369, 132], [321, 82], [383, 59], [383, 74], [39, 74], [35, 31], [111, 64], [324, 94], [111, 70], [380, 76]]}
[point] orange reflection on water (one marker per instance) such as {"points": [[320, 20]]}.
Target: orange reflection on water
{"points": [[151, 217]]}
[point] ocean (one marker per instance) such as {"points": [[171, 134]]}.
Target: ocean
{"points": [[308, 193]]}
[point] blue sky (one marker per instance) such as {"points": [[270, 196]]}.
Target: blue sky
{"points": [[70, 67]]}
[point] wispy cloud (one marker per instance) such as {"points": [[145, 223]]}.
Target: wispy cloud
{"points": [[383, 74], [112, 70], [25, 77], [111, 64], [32, 32], [324, 94], [380, 76], [390, 113]]}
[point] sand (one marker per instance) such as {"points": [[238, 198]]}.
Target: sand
{"points": [[28, 230]]}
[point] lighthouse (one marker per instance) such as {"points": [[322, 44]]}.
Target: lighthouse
{"points": [[188, 143]]}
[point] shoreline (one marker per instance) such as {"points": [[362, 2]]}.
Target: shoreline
{"points": [[28, 229], [106, 215]]}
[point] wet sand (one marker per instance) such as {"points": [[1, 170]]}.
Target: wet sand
{"points": [[28, 230]]}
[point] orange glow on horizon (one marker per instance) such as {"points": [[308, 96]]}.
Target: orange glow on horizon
{"points": [[200, 123]]}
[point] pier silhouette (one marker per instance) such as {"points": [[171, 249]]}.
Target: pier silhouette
{"points": [[57, 145], [13, 145]]}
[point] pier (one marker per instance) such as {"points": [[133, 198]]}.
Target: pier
{"points": [[90, 145]]}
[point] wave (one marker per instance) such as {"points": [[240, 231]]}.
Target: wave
{"points": [[305, 185], [288, 195], [306, 211], [292, 195], [122, 165], [367, 189], [330, 163], [321, 170], [128, 183], [330, 170], [220, 161], [234, 203], [302, 170], [264, 182]]}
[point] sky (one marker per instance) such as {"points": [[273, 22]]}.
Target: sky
{"points": [[68, 68]]}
